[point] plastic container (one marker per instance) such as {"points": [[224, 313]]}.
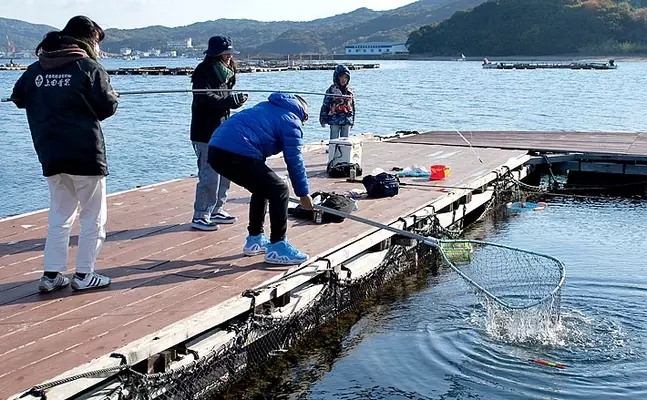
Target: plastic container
{"points": [[438, 172], [344, 150]]}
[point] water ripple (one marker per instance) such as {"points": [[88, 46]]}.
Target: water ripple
{"points": [[437, 343]]}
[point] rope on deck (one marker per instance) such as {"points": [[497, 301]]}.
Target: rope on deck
{"points": [[40, 390]]}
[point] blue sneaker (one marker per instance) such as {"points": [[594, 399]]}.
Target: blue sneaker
{"points": [[256, 245], [284, 253]]}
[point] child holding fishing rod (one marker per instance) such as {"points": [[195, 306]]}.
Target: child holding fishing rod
{"points": [[338, 108]]}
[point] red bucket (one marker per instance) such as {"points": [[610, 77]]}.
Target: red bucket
{"points": [[438, 172]]}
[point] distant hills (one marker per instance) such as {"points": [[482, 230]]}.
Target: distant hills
{"points": [[323, 36], [23, 35], [430, 27], [537, 27]]}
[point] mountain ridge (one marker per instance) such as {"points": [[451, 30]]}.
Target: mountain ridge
{"points": [[323, 36]]}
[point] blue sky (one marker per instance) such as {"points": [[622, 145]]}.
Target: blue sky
{"points": [[139, 13]]}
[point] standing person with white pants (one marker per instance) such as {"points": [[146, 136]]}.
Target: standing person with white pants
{"points": [[66, 94]]}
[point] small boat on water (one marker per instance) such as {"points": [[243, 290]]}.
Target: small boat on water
{"points": [[12, 66], [487, 64]]}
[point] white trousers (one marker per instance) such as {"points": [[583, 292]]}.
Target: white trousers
{"points": [[67, 193]]}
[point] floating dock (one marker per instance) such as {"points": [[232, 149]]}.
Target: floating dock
{"points": [[174, 288], [243, 69], [14, 67], [545, 65], [591, 143]]}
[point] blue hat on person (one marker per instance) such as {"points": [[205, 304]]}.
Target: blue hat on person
{"points": [[220, 45]]}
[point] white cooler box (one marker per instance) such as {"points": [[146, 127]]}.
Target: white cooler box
{"points": [[344, 150]]}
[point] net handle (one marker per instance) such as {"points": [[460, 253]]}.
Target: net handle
{"points": [[426, 240], [431, 241]]}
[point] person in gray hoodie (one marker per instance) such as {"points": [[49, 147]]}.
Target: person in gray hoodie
{"points": [[66, 95]]}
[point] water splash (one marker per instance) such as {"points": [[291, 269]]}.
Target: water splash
{"points": [[536, 326]]}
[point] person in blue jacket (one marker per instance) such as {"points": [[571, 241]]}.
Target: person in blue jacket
{"points": [[238, 150]]}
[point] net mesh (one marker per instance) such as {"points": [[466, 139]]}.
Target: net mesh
{"points": [[512, 277]]}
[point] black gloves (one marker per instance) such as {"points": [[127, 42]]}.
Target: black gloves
{"points": [[239, 98]]}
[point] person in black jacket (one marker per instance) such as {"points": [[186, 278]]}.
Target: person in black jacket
{"points": [[66, 94], [208, 111]]}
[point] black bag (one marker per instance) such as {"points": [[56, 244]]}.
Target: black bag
{"points": [[381, 185], [330, 200], [342, 170], [337, 202]]}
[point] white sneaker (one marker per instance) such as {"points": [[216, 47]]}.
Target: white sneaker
{"points": [[92, 280], [223, 217], [204, 225], [49, 285]]}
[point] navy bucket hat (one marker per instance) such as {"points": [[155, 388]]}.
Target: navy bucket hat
{"points": [[220, 45]]}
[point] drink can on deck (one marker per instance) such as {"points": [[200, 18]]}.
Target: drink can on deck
{"points": [[317, 214]]}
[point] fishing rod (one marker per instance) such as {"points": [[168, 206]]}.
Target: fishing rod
{"points": [[421, 185], [206, 91]]}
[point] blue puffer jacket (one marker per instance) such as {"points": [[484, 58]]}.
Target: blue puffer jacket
{"points": [[338, 110], [268, 128]]}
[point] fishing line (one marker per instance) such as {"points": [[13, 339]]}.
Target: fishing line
{"points": [[413, 106], [462, 137]]}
